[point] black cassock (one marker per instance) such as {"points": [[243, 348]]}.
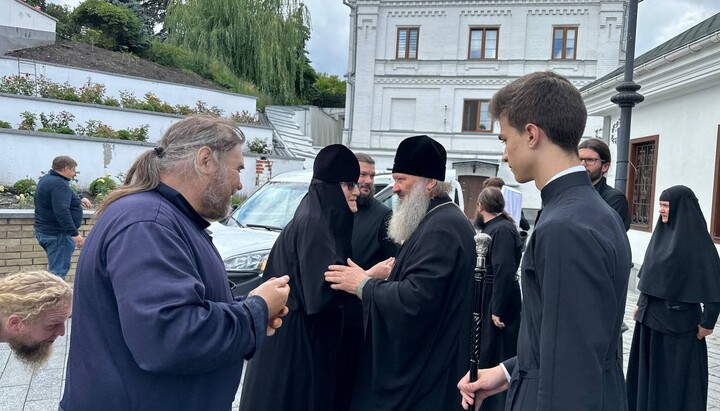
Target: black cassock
{"points": [[296, 368], [417, 324], [501, 297], [668, 365], [370, 245], [574, 281]]}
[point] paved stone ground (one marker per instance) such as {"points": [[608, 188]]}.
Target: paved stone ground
{"points": [[22, 389]]}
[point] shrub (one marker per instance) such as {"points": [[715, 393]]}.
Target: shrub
{"points": [[139, 133], [48, 89], [124, 135], [244, 117], [5, 124], [26, 187], [101, 186], [202, 108], [111, 102], [19, 85], [28, 121], [92, 93], [60, 121], [258, 146]]}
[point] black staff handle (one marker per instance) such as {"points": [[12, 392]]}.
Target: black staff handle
{"points": [[482, 243]]}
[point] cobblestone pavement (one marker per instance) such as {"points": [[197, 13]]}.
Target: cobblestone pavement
{"points": [[22, 389]]}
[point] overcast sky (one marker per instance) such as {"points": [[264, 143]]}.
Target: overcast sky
{"points": [[658, 21]]}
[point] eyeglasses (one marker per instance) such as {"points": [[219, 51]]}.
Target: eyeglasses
{"points": [[591, 161], [350, 185]]}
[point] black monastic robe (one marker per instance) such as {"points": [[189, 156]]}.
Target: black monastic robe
{"points": [[501, 297], [574, 281], [668, 365], [296, 368], [417, 324]]}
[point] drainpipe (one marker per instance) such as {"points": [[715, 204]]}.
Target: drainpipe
{"points": [[353, 65]]}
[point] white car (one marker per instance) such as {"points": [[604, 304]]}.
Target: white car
{"points": [[245, 238]]}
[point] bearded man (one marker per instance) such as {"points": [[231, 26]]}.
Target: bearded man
{"points": [[34, 306], [155, 326], [417, 323]]}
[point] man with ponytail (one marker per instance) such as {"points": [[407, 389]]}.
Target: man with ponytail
{"points": [[155, 324]]}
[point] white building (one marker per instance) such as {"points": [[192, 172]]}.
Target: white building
{"points": [[675, 132], [23, 26], [430, 67]]}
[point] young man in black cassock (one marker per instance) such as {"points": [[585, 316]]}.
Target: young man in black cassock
{"points": [[501, 291], [417, 323], [575, 269], [668, 366], [370, 245], [296, 370]]}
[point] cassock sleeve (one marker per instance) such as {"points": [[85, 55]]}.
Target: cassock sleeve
{"points": [[396, 306], [317, 250], [167, 324], [620, 205], [579, 311], [503, 252], [709, 315]]}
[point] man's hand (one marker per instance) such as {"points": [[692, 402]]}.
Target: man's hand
{"points": [[496, 320], [345, 277], [382, 269], [635, 313], [703, 332], [490, 381], [79, 241], [86, 203], [275, 292]]}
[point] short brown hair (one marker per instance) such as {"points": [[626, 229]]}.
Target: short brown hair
{"points": [[364, 158], [599, 147], [547, 100], [62, 162], [493, 182]]}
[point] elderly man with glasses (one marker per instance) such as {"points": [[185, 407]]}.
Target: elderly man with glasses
{"points": [[595, 157]]}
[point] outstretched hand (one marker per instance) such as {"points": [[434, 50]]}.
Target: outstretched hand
{"points": [[382, 269], [345, 277]]}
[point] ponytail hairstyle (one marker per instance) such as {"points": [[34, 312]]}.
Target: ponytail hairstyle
{"points": [[176, 153], [492, 200]]}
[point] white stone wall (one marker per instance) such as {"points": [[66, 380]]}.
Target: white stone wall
{"points": [[115, 117], [172, 93], [28, 154], [17, 14]]}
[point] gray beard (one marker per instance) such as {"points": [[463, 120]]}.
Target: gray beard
{"points": [[408, 215]]}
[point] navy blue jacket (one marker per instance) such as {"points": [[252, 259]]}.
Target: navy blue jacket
{"points": [[154, 323], [57, 207]]}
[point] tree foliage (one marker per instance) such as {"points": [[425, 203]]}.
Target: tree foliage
{"points": [[120, 28], [330, 84], [263, 41], [63, 27], [155, 12]]}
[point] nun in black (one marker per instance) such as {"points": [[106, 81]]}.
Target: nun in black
{"points": [[668, 365], [295, 369]]}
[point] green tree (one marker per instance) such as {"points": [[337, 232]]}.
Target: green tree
{"points": [[330, 84], [120, 28], [263, 41], [63, 28]]}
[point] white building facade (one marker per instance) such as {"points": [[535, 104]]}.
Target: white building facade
{"points": [[22, 25], [675, 132], [430, 67]]}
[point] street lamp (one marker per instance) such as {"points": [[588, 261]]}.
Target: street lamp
{"points": [[626, 98]]}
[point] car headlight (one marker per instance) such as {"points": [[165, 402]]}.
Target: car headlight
{"points": [[247, 262]]}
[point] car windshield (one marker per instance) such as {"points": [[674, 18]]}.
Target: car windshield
{"points": [[272, 206]]}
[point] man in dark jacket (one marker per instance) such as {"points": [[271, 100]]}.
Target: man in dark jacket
{"points": [[576, 266], [58, 215], [595, 156]]}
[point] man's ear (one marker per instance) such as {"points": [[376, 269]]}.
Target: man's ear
{"points": [[13, 323], [431, 183], [204, 160], [533, 134], [605, 167]]}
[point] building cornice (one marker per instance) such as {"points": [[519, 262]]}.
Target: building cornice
{"points": [[475, 3]]}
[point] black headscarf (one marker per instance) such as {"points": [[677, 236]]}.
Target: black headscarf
{"points": [[681, 262], [319, 234]]}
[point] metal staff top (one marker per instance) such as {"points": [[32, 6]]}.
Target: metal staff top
{"points": [[482, 244]]}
